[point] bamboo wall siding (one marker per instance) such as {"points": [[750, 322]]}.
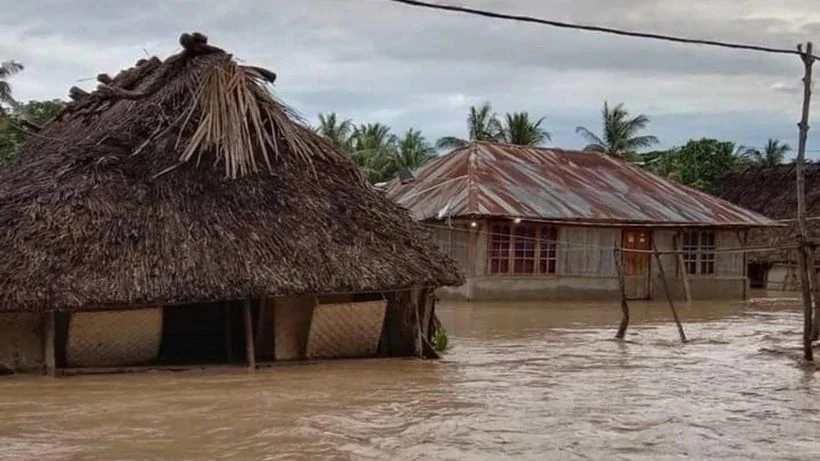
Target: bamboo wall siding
{"points": [[587, 251]]}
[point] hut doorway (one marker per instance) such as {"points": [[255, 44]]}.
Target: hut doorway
{"points": [[636, 265], [758, 275], [205, 333]]}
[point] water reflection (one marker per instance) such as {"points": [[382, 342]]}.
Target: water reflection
{"points": [[522, 381]]}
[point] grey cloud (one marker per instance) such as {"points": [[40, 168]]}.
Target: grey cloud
{"points": [[370, 59]]}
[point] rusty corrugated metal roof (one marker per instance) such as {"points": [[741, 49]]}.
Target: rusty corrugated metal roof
{"points": [[486, 179]]}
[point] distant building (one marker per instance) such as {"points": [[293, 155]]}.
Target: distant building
{"points": [[772, 191], [538, 223]]}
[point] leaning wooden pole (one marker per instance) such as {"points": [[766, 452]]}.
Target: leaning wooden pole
{"points": [[668, 293], [250, 350], [804, 253], [622, 285]]}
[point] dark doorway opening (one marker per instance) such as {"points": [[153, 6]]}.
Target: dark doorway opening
{"points": [[758, 274], [204, 333]]}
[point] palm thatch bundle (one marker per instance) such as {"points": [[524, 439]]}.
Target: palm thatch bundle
{"points": [[772, 192], [185, 180]]}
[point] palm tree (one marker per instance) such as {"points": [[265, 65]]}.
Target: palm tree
{"points": [[413, 151], [337, 132], [7, 69], [620, 136], [373, 149], [773, 153], [482, 125], [519, 129]]}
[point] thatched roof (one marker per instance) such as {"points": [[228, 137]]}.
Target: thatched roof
{"points": [[772, 192], [185, 180]]}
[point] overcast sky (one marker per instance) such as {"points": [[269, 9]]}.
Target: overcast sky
{"points": [[372, 60]]}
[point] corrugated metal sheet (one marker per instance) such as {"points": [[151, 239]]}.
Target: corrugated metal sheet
{"points": [[485, 179]]}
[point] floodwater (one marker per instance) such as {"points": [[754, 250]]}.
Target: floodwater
{"points": [[522, 382]]}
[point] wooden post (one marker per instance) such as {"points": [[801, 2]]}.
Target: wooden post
{"points": [[49, 356], [804, 253], [622, 285], [668, 293], [684, 274], [415, 301], [250, 352], [742, 237], [815, 283], [228, 333]]}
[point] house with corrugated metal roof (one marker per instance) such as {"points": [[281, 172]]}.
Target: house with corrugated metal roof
{"points": [[543, 223]]}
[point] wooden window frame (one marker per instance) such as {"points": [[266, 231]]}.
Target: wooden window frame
{"points": [[541, 259], [699, 256]]}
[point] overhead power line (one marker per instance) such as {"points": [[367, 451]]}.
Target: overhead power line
{"points": [[601, 29]]}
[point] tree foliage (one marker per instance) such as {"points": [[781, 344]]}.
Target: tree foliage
{"points": [[13, 134], [772, 154], [698, 163], [482, 125], [338, 132], [7, 69], [620, 136], [519, 128], [374, 148]]}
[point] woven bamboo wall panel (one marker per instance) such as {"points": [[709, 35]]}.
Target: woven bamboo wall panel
{"points": [[113, 338], [346, 330], [291, 317]]}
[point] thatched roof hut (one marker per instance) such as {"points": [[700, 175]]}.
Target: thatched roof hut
{"points": [[772, 192], [183, 181]]}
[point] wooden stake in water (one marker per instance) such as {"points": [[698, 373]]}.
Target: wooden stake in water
{"points": [[804, 251], [668, 293], [622, 284]]}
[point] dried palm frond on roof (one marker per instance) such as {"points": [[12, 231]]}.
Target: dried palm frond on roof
{"points": [[186, 180]]}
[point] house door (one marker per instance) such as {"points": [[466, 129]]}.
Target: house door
{"points": [[637, 265]]}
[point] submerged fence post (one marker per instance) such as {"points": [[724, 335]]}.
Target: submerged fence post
{"points": [[622, 285], [668, 293], [804, 254], [250, 351]]}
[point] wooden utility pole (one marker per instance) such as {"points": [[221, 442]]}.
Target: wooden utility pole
{"points": [[805, 252], [622, 285], [668, 293]]}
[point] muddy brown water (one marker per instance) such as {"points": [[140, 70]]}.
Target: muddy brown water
{"points": [[522, 382]]}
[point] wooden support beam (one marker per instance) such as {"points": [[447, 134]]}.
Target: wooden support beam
{"points": [[741, 239], [228, 333], [415, 301], [669, 294], [684, 274], [804, 252], [49, 356], [622, 285], [250, 352]]}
